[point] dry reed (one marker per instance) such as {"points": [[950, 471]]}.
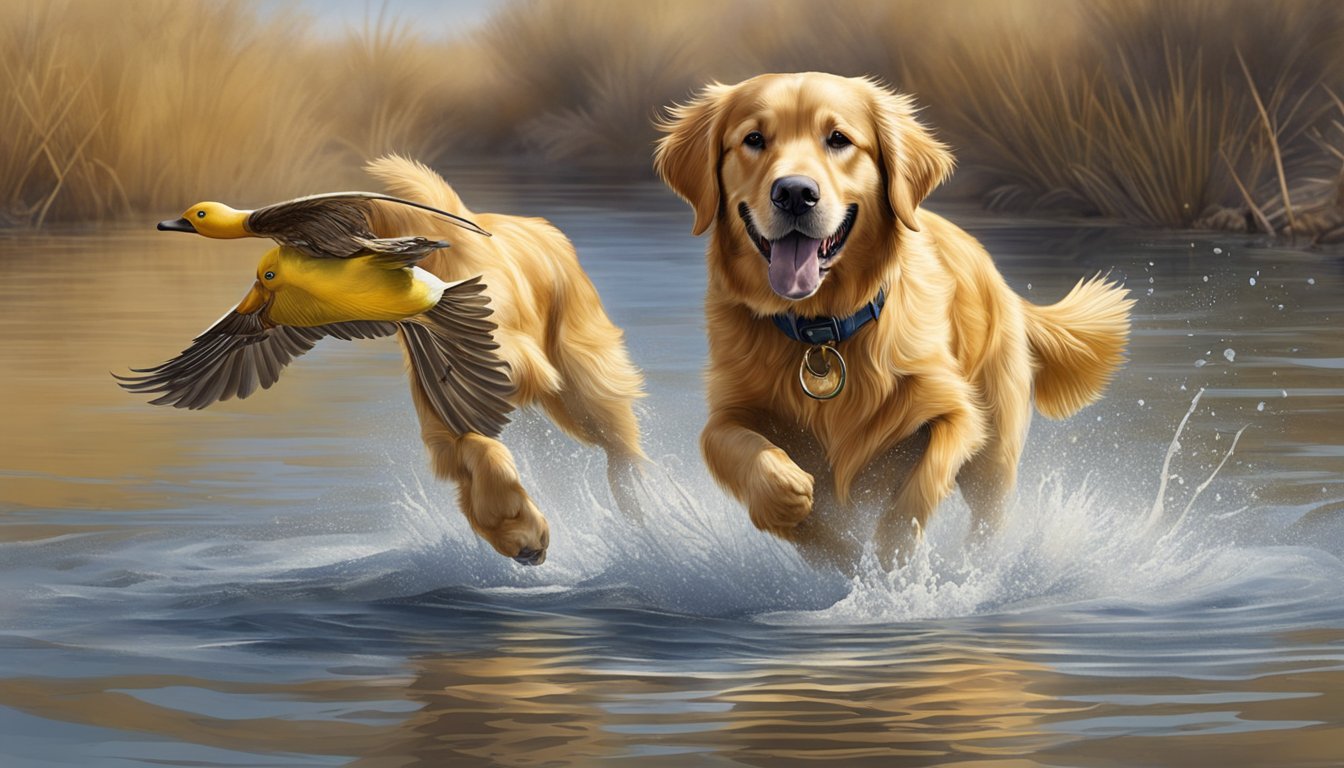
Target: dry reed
{"points": [[1191, 114]]}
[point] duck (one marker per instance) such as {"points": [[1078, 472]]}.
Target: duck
{"points": [[297, 300], [329, 225]]}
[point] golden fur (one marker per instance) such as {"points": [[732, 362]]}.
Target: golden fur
{"points": [[564, 354], [939, 389]]}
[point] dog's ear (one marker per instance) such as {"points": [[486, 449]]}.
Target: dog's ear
{"points": [[687, 158], [913, 161]]}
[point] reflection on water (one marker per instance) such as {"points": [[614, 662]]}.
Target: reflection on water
{"points": [[554, 693], [932, 702], [279, 581]]}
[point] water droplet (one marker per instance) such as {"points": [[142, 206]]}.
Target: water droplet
{"points": [[1311, 281], [1028, 286], [1252, 281], [1284, 392], [1230, 354], [1201, 363], [1261, 406], [1140, 401], [1217, 250], [1206, 278]]}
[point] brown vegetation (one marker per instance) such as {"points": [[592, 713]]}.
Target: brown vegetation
{"points": [[1188, 114]]}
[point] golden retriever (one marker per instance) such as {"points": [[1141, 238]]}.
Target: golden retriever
{"points": [[564, 354], [810, 185]]}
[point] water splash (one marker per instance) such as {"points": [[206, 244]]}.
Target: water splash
{"points": [[1067, 539]]}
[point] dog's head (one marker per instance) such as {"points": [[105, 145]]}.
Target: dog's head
{"points": [[796, 170]]}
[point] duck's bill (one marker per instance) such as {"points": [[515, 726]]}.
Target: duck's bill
{"points": [[255, 300], [176, 225]]}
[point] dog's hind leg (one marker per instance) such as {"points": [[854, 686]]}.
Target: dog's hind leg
{"points": [[598, 388], [957, 431], [989, 477], [489, 491], [986, 481]]}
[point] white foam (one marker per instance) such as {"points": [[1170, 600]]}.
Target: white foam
{"points": [[1066, 540]]}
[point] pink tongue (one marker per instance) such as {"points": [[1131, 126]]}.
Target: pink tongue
{"points": [[795, 269]]}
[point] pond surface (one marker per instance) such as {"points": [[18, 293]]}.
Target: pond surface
{"points": [[281, 581]]}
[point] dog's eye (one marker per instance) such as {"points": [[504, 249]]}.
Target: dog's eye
{"points": [[837, 140], [755, 140]]}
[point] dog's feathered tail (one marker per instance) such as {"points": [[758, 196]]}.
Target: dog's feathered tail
{"points": [[1077, 345], [415, 181]]}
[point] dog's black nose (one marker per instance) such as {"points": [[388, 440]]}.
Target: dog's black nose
{"points": [[794, 194]]}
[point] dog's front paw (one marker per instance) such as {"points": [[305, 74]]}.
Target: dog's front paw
{"points": [[780, 496]]}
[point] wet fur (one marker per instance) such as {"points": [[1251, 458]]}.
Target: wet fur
{"points": [[939, 390], [564, 354]]}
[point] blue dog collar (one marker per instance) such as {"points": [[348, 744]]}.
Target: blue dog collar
{"points": [[829, 330]]}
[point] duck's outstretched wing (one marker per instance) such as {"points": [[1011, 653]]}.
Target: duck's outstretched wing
{"points": [[454, 356], [337, 225], [235, 357], [452, 350]]}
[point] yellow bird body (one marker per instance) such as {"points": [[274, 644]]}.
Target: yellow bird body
{"points": [[308, 292]]}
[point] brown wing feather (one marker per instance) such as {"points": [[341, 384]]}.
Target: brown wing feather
{"points": [[453, 353], [396, 252], [337, 224], [235, 357]]}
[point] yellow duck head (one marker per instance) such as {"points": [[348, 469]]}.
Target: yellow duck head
{"points": [[210, 219], [296, 289]]}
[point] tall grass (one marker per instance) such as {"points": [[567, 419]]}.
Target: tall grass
{"points": [[1055, 136], [581, 81], [1151, 117], [1198, 113], [385, 88], [114, 107]]}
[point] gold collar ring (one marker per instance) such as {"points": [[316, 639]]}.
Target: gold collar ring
{"points": [[817, 365]]}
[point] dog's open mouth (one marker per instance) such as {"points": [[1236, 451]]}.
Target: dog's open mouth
{"points": [[798, 262]]}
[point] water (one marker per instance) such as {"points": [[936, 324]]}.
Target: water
{"points": [[281, 582]]}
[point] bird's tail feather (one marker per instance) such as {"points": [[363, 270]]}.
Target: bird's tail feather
{"points": [[453, 354]]}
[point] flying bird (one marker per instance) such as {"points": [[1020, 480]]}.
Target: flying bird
{"points": [[331, 225], [298, 300]]}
